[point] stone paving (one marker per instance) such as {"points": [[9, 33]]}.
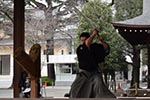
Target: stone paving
{"points": [[47, 92], [57, 92]]}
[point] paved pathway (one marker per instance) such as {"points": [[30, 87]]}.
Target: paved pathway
{"points": [[6, 93], [47, 92]]}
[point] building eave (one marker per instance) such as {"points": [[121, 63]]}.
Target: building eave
{"points": [[117, 25]]}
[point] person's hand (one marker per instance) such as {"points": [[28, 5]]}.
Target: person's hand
{"points": [[100, 38], [95, 31]]}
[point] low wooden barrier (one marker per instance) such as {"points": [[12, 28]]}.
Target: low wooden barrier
{"points": [[118, 98], [58, 99]]}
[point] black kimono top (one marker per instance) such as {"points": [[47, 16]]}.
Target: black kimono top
{"points": [[90, 57]]}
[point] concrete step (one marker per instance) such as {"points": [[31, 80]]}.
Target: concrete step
{"points": [[63, 83], [5, 81]]}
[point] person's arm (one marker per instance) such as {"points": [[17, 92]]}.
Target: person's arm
{"points": [[105, 45], [90, 39]]}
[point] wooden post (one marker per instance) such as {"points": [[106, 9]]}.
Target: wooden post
{"points": [[34, 87], [148, 64], [35, 54], [18, 40], [136, 65]]}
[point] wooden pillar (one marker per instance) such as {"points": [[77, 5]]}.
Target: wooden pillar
{"points": [[148, 64], [136, 66], [18, 39]]}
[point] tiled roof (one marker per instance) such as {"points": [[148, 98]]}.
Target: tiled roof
{"points": [[136, 30], [139, 21]]}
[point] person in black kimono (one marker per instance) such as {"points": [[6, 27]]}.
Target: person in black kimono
{"points": [[89, 82]]}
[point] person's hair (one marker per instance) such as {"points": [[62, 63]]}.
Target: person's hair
{"points": [[85, 34]]}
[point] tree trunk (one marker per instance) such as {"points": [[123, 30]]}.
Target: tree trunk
{"points": [[50, 67]]}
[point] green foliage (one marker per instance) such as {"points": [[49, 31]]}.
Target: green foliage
{"points": [[126, 9], [144, 56], [47, 80], [101, 15], [116, 59], [98, 13]]}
